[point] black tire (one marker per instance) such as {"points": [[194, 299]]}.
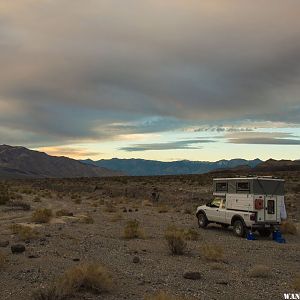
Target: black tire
{"points": [[264, 232], [239, 228], [225, 226], [202, 220]]}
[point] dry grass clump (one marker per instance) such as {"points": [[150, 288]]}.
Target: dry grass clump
{"points": [[64, 213], [212, 252], [288, 227], [15, 196], [4, 194], [77, 201], [260, 271], [19, 205], [176, 240], [162, 209], [116, 217], [296, 283], [191, 234], [147, 203], [86, 219], [163, 296], [42, 215], [24, 232], [50, 293], [37, 199], [2, 259], [87, 277], [110, 207], [132, 230]]}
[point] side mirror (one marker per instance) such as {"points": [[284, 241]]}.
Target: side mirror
{"points": [[208, 204]]}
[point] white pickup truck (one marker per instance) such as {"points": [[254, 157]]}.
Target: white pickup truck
{"points": [[255, 203]]}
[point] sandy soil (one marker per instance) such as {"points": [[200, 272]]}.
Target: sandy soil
{"points": [[66, 242]]}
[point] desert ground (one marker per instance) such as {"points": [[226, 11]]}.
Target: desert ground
{"points": [[121, 223]]}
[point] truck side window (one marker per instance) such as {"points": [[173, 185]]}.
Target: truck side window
{"points": [[221, 187], [243, 186], [216, 202]]}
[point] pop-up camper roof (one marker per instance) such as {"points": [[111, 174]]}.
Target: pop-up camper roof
{"points": [[258, 185]]}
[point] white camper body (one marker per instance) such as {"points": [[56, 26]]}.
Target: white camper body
{"points": [[250, 202]]}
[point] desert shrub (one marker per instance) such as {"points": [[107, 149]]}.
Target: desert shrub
{"points": [[147, 203], [288, 227], [4, 194], [109, 207], [37, 199], [116, 217], [85, 277], [27, 191], [24, 232], [162, 296], [2, 259], [42, 215], [260, 271], [86, 219], [176, 240], [212, 252], [64, 213], [191, 234], [132, 230], [162, 209], [19, 205], [15, 196], [77, 201], [50, 293], [296, 283]]}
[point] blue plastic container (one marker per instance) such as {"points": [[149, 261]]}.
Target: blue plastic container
{"points": [[277, 237], [250, 236]]}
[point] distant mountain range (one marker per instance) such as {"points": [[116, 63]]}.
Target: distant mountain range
{"points": [[20, 162], [141, 167]]}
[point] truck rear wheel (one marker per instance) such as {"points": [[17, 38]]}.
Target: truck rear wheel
{"points": [[239, 228], [202, 220], [264, 232]]}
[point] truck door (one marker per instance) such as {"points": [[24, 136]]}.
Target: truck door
{"points": [[212, 212], [270, 209], [222, 212]]}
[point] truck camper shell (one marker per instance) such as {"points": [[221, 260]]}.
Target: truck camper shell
{"points": [[248, 185]]}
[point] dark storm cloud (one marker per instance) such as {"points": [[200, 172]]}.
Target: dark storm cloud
{"points": [[77, 70], [188, 144]]}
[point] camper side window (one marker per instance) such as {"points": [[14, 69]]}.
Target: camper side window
{"points": [[243, 186], [221, 186]]}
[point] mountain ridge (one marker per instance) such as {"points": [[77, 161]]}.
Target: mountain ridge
{"points": [[142, 167], [20, 162]]}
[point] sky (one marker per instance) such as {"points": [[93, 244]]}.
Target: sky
{"points": [[164, 80]]}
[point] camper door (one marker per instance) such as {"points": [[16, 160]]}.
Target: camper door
{"points": [[270, 209]]}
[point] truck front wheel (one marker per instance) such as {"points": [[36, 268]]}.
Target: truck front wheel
{"points": [[202, 220], [239, 228]]}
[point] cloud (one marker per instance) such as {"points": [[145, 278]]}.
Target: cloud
{"points": [[177, 145], [77, 153], [263, 138], [74, 68]]}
